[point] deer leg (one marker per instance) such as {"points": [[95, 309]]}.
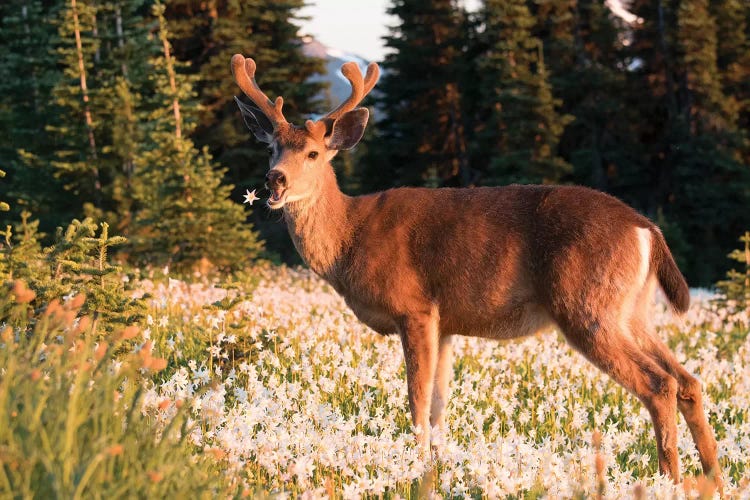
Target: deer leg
{"points": [[637, 372], [419, 339], [690, 404], [441, 385]]}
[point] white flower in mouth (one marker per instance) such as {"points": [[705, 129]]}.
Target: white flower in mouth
{"points": [[250, 196]]}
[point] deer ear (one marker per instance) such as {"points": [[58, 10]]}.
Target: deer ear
{"points": [[348, 129], [256, 121]]}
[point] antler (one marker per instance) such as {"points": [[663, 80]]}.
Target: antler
{"points": [[360, 88], [243, 70]]}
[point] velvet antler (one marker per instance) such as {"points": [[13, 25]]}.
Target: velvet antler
{"points": [[360, 88], [243, 70]]}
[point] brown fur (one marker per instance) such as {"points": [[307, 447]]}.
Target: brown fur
{"points": [[498, 262]]}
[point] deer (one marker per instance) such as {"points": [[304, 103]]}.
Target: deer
{"points": [[506, 262]]}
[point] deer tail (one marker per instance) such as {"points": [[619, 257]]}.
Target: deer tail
{"points": [[670, 278]]}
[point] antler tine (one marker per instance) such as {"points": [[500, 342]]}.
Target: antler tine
{"points": [[360, 88], [371, 78], [352, 73], [243, 70]]}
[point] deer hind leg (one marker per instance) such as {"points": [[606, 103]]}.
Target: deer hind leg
{"points": [[690, 404], [419, 339], [441, 384], [616, 354]]}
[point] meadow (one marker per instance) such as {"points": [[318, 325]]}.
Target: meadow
{"points": [[268, 385]]}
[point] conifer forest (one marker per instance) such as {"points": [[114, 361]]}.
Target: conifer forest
{"points": [[159, 337]]}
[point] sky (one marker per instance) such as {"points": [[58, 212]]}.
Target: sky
{"points": [[358, 26], [351, 26]]}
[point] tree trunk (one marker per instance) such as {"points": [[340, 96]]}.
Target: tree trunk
{"points": [[172, 82], [86, 108], [120, 37]]}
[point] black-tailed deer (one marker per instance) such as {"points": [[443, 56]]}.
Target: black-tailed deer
{"points": [[497, 262]]}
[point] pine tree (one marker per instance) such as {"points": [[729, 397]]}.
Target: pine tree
{"points": [[708, 147], [207, 34], [4, 207], [689, 128], [6, 234], [521, 128], [123, 76], [736, 286], [184, 212], [733, 63], [583, 51], [27, 75], [77, 157], [103, 49], [706, 107], [422, 140]]}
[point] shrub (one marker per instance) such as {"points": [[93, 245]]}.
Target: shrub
{"points": [[71, 424]]}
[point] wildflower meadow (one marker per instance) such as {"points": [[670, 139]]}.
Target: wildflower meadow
{"points": [[160, 339], [269, 386]]}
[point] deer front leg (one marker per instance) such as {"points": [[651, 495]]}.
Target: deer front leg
{"points": [[441, 388], [419, 338]]}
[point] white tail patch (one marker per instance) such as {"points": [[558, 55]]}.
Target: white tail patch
{"points": [[644, 254], [640, 280]]}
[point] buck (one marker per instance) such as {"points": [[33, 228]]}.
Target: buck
{"points": [[493, 262]]}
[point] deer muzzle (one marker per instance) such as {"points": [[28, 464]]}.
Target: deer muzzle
{"points": [[277, 184]]}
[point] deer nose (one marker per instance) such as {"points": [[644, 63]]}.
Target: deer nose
{"points": [[275, 178]]}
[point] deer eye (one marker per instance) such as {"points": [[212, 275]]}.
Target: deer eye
{"points": [[312, 155]]}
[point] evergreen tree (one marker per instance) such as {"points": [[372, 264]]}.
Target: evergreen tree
{"points": [[521, 127], [77, 157], [733, 63], [207, 34], [583, 51], [184, 212], [689, 128], [705, 107], [123, 75], [27, 75], [422, 138], [736, 286], [103, 49], [711, 181]]}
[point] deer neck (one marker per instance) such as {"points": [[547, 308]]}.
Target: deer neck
{"points": [[319, 227]]}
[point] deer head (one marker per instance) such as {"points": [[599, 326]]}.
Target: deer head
{"points": [[300, 156]]}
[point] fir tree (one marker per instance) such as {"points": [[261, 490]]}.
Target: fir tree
{"points": [[583, 52], [4, 207], [422, 139], [123, 75], [207, 34], [78, 263], [184, 212], [27, 75], [20, 250], [103, 49], [706, 108], [707, 144], [77, 156], [521, 127], [6, 234], [733, 63], [736, 286], [694, 170]]}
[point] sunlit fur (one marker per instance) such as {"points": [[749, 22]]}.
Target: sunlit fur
{"points": [[499, 262]]}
